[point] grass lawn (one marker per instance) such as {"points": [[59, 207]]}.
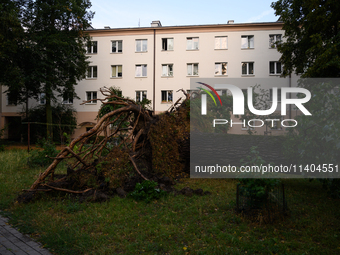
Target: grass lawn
{"points": [[171, 225]]}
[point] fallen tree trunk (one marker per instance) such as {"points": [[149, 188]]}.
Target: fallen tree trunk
{"points": [[141, 145]]}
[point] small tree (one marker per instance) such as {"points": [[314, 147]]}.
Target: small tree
{"points": [[64, 121], [312, 47], [49, 54]]}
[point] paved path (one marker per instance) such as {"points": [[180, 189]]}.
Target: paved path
{"points": [[13, 242]]}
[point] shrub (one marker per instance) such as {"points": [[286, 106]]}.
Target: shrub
{"points": [[256, 189], [147, 191], [2, 146], [64, 121], [42, 157]]}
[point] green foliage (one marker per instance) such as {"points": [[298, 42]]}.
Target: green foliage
{"points": [[257, 189], [64, 122], [106, 108], [2, 146], [312, 48], [147, 191], [213, 112], [166, 137], [48, 53], [41, 157], [312, 30], [316, 139]]}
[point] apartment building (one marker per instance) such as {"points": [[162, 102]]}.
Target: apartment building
{"points": [[155, 62]]}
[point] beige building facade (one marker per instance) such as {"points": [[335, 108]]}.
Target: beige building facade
{"points": [[154, 62]]}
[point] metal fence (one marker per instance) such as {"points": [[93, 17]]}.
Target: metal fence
{"points": [[274, 200]]}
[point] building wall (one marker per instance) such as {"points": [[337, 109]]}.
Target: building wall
{"points": [[206, 57]]}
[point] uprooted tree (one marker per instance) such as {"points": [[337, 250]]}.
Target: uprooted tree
{"points": [[127, 145]]}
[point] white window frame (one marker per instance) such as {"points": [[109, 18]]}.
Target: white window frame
{"points": [[219, 67], [91, 97], [142, 94], [193, 43], [90, 49], [273, 38], [140, 73], [192, 69], [68, 101], [275, 67], [247, 71], [116, 75], [168, 94], [116, 42], [219, 44], [90, 70], [167, 70], [250, 42], [42, 98], [143, 42], [166, 45], [277, 124]]}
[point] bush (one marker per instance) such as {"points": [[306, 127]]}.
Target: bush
{"points": [[64, 121], [146, 191], [42, 157], [2, 146], [256, 189]]}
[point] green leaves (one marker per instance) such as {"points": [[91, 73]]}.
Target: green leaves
{"points": [[147, 191], [256, 188], [43, 157], [312, 34]]}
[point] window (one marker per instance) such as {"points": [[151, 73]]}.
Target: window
{"points": [[141, 45], [167, 43], [90, 95], [140, 95], [167, 70], [221, 68], [276, 125], [92, 47], [275, 67], [42, 98], [141, 71], [117, 46], [192, 43], [68, 98], [11, 100], [192, 69], [247, 42], [247, 68], [278, 95], [166, 96], [91, 72], [116, 71], [221, 42], [273, 39]]}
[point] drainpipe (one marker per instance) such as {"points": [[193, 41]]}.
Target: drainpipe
{"points": [[154, 71]]}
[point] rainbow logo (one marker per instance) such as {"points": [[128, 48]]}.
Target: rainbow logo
{"points": [[208, 92]]}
